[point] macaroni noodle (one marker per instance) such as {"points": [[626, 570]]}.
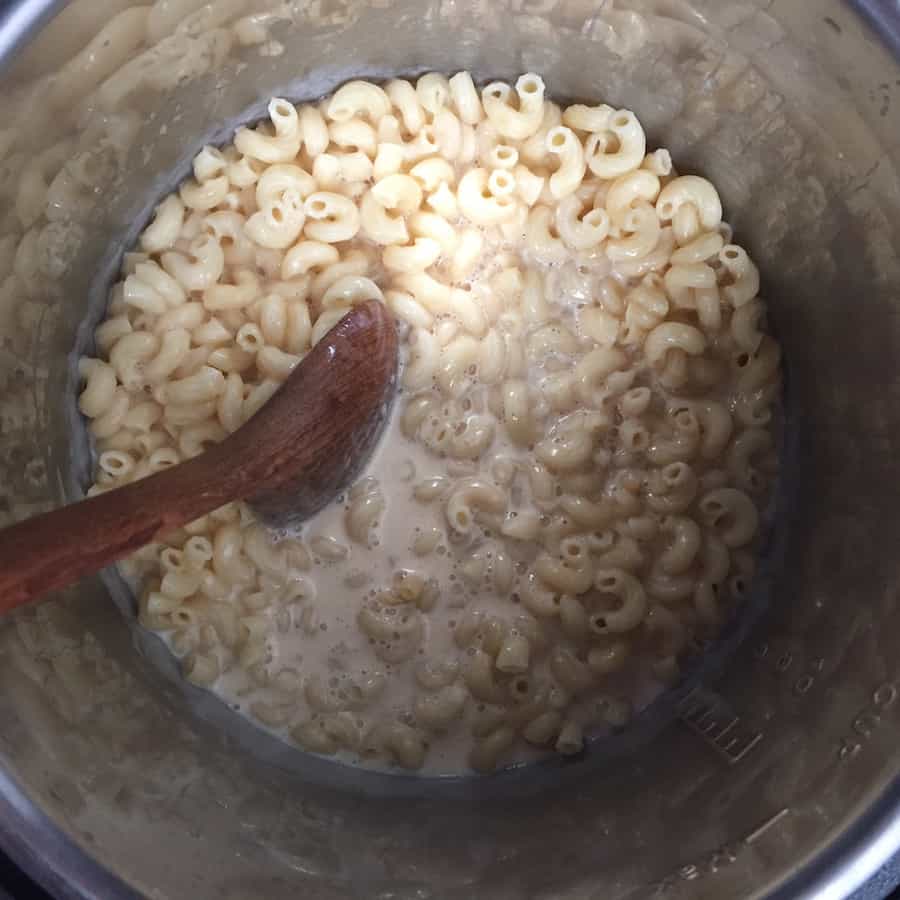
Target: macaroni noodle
{"points": [[568, 495]]}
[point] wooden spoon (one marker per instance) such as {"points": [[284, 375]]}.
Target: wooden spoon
{"points": [[289, 460]]}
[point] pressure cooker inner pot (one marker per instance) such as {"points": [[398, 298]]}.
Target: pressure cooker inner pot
{"points": [[769, 767]]}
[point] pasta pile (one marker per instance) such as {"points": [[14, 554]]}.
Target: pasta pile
{"points": [[567, 503]]}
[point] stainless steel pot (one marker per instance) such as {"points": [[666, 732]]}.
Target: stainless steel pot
{"points": [[780, 778]]}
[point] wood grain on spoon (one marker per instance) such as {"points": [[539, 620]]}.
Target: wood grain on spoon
{"points": [[289, 460]]}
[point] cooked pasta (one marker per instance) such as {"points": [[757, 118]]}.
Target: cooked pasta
{"points": [[571, 487]]}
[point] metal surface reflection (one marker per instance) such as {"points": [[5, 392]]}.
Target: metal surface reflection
{"points": [[117, 775]]}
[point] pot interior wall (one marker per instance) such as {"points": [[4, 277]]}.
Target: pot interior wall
{"points": [[793, 112]]}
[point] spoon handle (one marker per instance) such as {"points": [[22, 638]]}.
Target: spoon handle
{"points": [[295, 455], [55, 549]]}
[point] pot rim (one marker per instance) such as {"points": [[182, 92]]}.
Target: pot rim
{"points": [[48, 855]]}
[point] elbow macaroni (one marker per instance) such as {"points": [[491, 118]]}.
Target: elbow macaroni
{"points": [[570, 486]]}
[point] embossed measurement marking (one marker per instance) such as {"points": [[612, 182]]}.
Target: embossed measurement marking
{"points": [[805, 672], [709, 716], [719, 859], [868, 721], [769, 823]]}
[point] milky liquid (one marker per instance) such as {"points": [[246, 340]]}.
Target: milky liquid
{"points": [[337, 650], [328, 644]]}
